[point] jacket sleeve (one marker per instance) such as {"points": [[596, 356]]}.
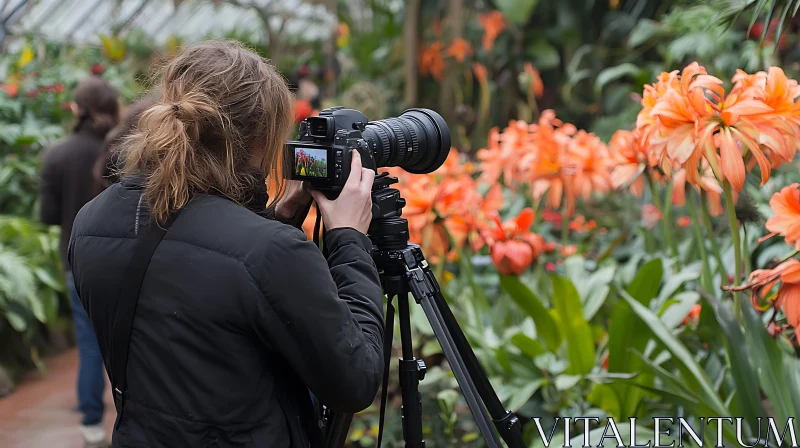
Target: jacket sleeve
{"points": [[326, 318], [50, 191]]}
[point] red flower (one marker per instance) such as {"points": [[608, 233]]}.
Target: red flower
{"points": [[693, 316], [98, 69], [684, 221], [11, 90], [302, 110], [512, 246], [650, 216], [756, 30], [552, 217], [32, 93]]}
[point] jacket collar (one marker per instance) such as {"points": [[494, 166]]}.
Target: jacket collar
{"points": [[255, 201]]}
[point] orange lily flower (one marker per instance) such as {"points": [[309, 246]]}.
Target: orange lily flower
{"points": [[431, 61], [786, 222], [454, 165], [536, 86], [788, 296], [592, 162], [730, 130], [706, 181], [630, 161], [480, 72], [547, 166], [503, 152], [778, 127], [580, 224], [512, 246], [493, 24], [460, 49], [677, 110]]}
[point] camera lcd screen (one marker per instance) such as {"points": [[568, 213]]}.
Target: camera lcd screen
{"points": [[310, 162]]}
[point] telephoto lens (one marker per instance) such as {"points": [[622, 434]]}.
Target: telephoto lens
{"points": [[417, 141]]}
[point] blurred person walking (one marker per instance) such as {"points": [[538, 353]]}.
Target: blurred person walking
{"points": [[67, 184], [107, 167]]}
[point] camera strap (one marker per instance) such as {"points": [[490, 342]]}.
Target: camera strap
{"points": [[387, 358], [146, 245]]}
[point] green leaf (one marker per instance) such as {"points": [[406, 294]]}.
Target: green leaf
{"points": [[606, 397], [564, 382], [580, 346], [48, 279], [543, 54], [768, 362], [673, 282], [523, 394], [516, 11], [744, 376], [17, 322], [546, 327], [628, 334], [614, 73], [528, 346], [644, 30], [675, 313], [680, 353], [597, 291]]}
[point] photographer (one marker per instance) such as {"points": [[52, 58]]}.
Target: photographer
{"points": [[238, 316]]}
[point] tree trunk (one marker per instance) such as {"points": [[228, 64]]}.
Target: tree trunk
{"points": [[330, 53], [454, 29], [411, 43]]}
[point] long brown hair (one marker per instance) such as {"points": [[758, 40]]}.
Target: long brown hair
{"points": [[98, 106], [221, 106], [106, 168]]}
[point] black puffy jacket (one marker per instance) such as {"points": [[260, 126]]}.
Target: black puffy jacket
{"points": [[233, 310]]}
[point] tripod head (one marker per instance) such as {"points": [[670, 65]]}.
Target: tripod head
{"points": [[388, 230]]}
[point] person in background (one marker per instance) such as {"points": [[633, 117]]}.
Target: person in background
{"points": [[67, 183], [307, 95], [106, 168]]}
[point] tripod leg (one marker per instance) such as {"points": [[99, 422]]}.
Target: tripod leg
{"points": [[426, 291], [507, 423], [482, 418], [412, 371]]}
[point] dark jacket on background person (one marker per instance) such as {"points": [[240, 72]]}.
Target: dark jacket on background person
{"points": [[67, 182], [234, 310]]}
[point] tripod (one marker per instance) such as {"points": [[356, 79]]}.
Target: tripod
{"points": [[403, 269]]}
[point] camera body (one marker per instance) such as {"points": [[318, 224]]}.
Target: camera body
{"points": [[322, 154]]}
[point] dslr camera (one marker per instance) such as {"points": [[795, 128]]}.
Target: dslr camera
{"points": [[417, 141]]}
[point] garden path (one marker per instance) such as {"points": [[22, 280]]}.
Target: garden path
{"points": [[41, 413]]}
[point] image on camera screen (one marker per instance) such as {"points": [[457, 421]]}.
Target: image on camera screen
{"points": [[311, 162]]}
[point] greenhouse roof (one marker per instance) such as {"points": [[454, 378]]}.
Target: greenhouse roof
{"points": [[83, 21]]}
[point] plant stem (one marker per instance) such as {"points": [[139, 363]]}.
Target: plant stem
{"points": [[737, 245], [746, 251], [667, 223], [665, 220], [712, 238], [707, 281]]}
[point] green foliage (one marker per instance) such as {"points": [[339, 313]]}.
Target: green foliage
{"points": [[35, 113]]}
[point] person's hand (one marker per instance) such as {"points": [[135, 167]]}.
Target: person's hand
{"points": [[296, 197], [353, 207]]}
